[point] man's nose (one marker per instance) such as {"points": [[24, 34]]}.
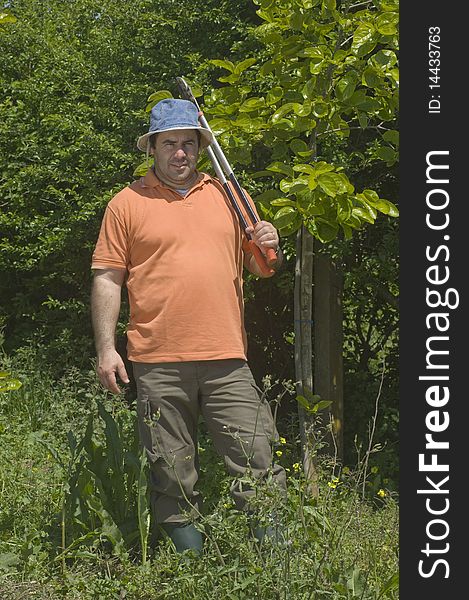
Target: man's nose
{"points": [[180, 152]]}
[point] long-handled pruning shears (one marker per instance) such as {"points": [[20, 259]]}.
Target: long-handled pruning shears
{"points": [[216, 155]]}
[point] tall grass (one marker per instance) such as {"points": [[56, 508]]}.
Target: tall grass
{"points": [[75, 521]]}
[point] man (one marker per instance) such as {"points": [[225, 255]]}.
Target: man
{"points": [[174, 240]]}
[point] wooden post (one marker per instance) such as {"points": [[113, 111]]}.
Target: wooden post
{"points": [[328, 345], [303, 304]]}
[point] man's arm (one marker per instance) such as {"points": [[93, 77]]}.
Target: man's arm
{"points": [[105, 307], [265, 236]]}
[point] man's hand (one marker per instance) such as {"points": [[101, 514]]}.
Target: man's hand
{"points": [[110, 363], [264, 235]]}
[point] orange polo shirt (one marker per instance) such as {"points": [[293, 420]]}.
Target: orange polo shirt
{"points": [[184, 262]]}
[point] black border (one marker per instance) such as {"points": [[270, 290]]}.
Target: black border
{"points": [[422, 132]]}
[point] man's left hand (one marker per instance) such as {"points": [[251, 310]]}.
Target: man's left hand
{"points": [[264, 235]]}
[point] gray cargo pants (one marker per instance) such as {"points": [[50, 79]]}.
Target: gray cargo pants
{"points": [[170, 398]]}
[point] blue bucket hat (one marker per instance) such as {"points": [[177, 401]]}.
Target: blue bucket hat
{"points": [[174, 113]]}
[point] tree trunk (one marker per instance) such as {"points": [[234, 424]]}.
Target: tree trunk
{"points": [[303, 304], [328, 346]]}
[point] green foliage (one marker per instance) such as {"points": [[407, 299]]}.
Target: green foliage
{"points": [[339, 545], [7, 382], [323, 73], [74, 79], [106, 495]]}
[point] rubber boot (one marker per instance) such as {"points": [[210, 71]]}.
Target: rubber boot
{"points": [[184, 536], [260, 532], [273, 532]]}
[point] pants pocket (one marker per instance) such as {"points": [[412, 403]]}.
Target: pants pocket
{"points": [[266, 425], [172, 461]]}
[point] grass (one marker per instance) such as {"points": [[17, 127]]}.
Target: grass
{"points": [[60, 490]]}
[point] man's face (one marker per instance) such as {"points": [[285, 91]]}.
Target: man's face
{"points": [[176, 154]]}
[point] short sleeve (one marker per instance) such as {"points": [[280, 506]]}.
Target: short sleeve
{"points": [[111, 250]]}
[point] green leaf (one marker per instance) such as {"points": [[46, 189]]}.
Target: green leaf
{"points": [[364, 39], [268, 195], [322, 167], [326, 231], [283, 202], [157, 97], [369, 105], [324, 404], [369, 196], [363, 214], [303, 110], [386, 23], [293, 186], [383, 58], [389, 155], [291, 227], [357, 98], [320, 108], [296, 21], [284, 125], [310, 204], [309, 89], [284, 216], [363, 119], [249, 124], [243, 65], [6, 17], [8, 560], [344, 208], [312, 181], [356, 582], [279, 167], [224, 64], [286, 108], [314, 53], [329, 183], [259, 174], [274, 95], [300, 147], [304, 168], [391, 584], [252, 104], [347, 231], [345, 87], [391, 136], [8, 385], [143, 506], [267, 67], [371, 78], [143, 167], [386, 207]]}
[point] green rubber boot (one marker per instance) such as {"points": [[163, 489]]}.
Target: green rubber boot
{"points": [[184, 536], [272, 532]]}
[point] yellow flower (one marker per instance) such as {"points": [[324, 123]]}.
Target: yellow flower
{"points": [[381, 493], [278, 452], [334, 483], [283, 440], [296, 467]]}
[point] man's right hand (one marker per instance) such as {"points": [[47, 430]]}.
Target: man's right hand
{"points": [[109, 364]]}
